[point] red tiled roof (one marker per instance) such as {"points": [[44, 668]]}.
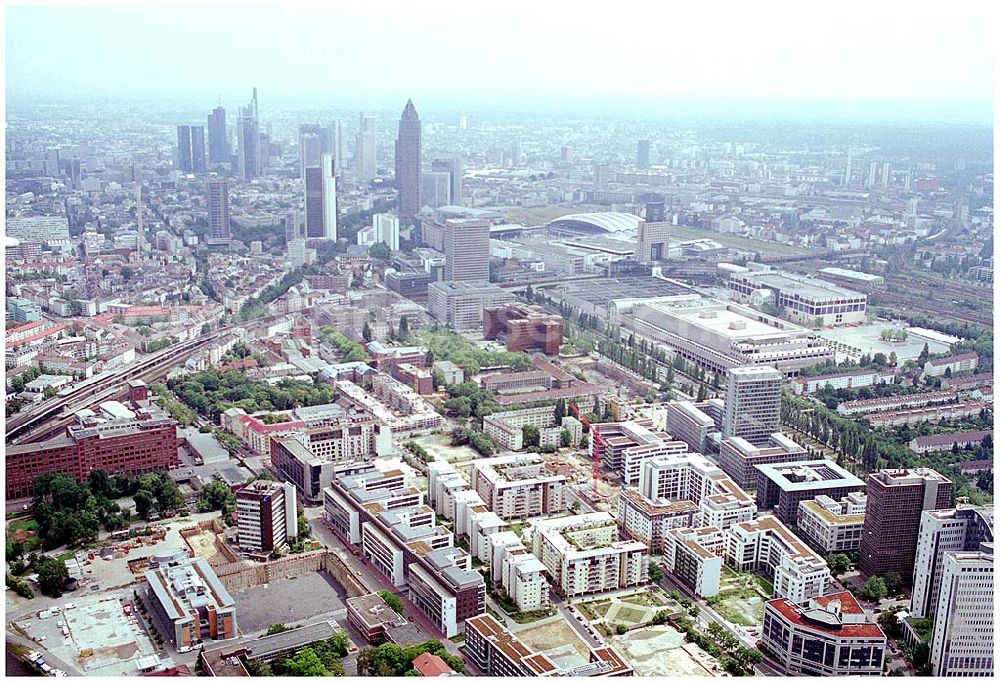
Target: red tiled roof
{"points": [[431, 665], [55, 329], [793, 614], [948, 439]]}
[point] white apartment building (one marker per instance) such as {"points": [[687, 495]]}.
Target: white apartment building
{"points": [[767, 544], [695, 556], [506, 428], [690, 476], [443, 482], [963, 641], [832, 526], [624, 446], [474, 521], [843, 380], [518, 486], [644, 520], [582, 554]]}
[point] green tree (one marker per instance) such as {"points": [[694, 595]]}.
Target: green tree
{"points": [[380, 251], [276, 628], [839, 563], [216, 496], [143, 503], [52, 575], [893, 582], [393, 601], [874, 589], [529, 436], [305, 663], [656, 574]]}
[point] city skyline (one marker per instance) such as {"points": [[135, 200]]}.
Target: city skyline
{"points": [[851, 68]]}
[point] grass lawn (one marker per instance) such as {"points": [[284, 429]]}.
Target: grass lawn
{"points": [[458, 638], [765, 584], [23, 525], [643, 600], [630, 615], [594, 610], [528, 617]]}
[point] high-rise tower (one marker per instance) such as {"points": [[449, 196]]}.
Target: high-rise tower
{"points": [[217, 201], [408, 162], [218, 137]]}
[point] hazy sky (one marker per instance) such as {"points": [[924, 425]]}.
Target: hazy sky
{"points": [[479, 52]]}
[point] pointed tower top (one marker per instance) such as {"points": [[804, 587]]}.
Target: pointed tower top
{"points": [[409, 111]]}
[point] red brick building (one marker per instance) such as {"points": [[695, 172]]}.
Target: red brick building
{"points": [[524, 327], [128, 446]]}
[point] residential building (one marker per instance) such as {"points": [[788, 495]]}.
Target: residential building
{"points": [[497, 652], [829, 635], [583, 555], [518, 486], [945, 442], [765, 544], [622, 447], [903, 401], [843, 380], [739, 458], [507, 428], [781, 487], [647, 521], [187, 599], [524, 328], [963, 362], [896, 499], [266, 516], [953, 530], [695, 557], [753, 403], [832, 526], [963, 643]]}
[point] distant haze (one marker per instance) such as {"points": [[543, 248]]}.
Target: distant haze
{"points": [[901, 61]]}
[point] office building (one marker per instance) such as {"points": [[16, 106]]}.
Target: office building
{"points": [[217, 203], [266, 515], [135, 442], [23, 310], [408, 163], [328, 185], [366, 150], [765, 544], [954, 530], [518, 486], [314, 201], [466, 250], [336, 138], [719, 335], [435, 189], [310, 151], [374, 619], [191, 149], [642, 154], [832, 526], [187, 599], [524, 328], [829, 635], [896, 499], [459, 305], [653, 241], [583, 554], [37, 229], [249, 135], [497, 652], [218, 137], [963, 643], [781, 487], [453, 167], [384, 229], [753, 403]]}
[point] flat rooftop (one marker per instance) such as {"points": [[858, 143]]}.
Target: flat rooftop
{"points": [[600, 292], [811, 474]]}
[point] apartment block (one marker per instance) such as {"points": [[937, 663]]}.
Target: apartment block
{"points": [[507, 428], [188, 600], [963, 362], [518, 486], [832, 526], [583, 555], [842, 380], [896, 499], [695, 557], [781, 487], [646, 521], [497, 652], [827, 635], [622, 447], [766, 544], [739, 458]]}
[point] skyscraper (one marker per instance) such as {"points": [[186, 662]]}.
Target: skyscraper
{"points": [[191, 149], [892, 517], [366, 150], [848, 171], [963, 640], [217, 201], [515, 152], [467, 250], [453, 167], [886, 174], [314, 201], [642, 154], [435, 188], [337, 141], [968, 529], [329, 169], [753, 403], [310, 151], [218, 137], [249, 140], [408, 163], [267, 516]]}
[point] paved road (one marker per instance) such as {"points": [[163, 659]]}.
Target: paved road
{"points": [[593, 640]]}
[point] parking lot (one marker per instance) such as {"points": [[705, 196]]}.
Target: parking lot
{"points": [[289, 601]]}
